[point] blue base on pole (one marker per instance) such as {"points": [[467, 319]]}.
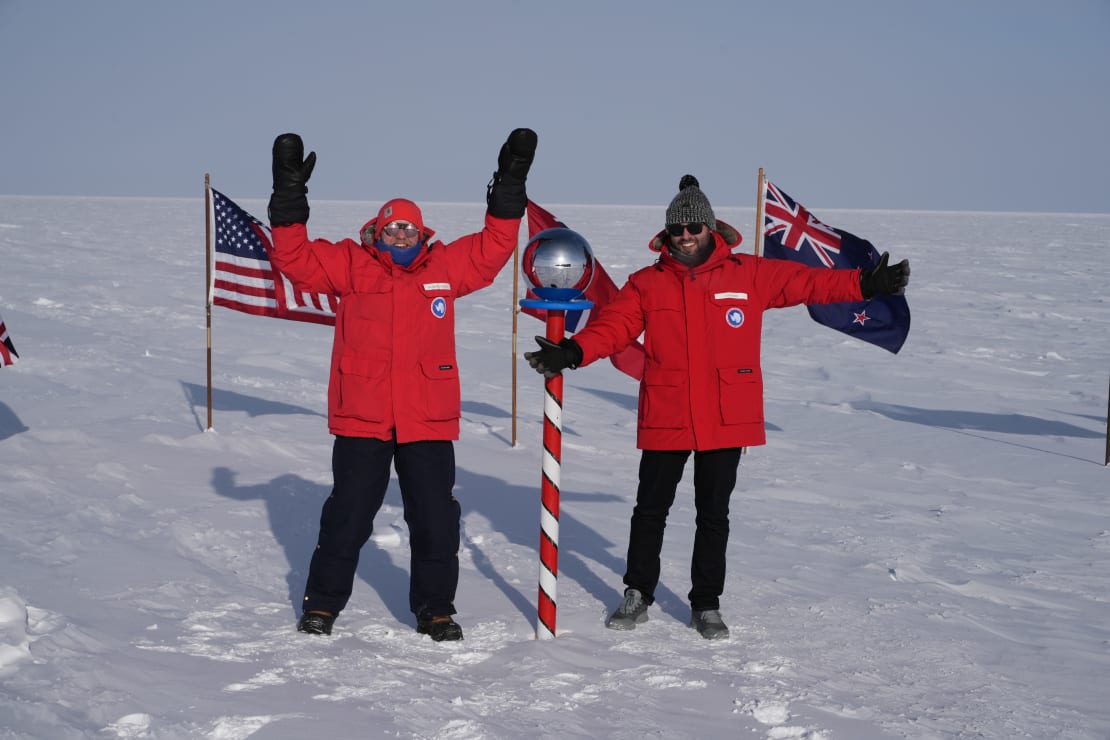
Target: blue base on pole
{"points": [[577, 305], [557, 299]]}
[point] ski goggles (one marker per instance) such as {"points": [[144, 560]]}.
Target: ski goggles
{"points": [[400, 227]]}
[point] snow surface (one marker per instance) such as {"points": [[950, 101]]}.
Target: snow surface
{"points": [[921, 550]]}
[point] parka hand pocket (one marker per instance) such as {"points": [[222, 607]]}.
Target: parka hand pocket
{"points": [[363, 388], [443, 399], [741, 390], [665, 399]]}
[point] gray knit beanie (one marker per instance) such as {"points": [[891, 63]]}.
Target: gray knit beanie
{"points": [[690, 205]]}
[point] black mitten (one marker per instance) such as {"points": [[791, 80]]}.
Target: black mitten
{"points": [[552, 359], [505, 195], [291, 168], [288, 204], [884, 279]]}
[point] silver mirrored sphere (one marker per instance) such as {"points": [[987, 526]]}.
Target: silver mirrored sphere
{"points": [[558, 258]]}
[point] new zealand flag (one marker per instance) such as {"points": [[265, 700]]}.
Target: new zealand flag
{"points": [[792, 233]]}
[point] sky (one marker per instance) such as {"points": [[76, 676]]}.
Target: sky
{"points": [[921, 549], [992, 105]]}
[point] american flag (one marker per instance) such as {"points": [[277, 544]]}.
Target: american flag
{"points": [[793, 233], [8, 354], [245, 280]]}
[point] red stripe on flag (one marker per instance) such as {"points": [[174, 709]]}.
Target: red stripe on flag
{"points": [[235, 268]]}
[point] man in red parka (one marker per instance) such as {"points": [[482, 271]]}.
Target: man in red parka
{"points": [[700, 309], [393, 394]]}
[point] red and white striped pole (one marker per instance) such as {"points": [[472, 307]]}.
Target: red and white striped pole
{"points": [[559, 264], [549, 492]]}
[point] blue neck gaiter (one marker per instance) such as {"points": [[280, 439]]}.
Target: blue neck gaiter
{"points": [[403, 256]]}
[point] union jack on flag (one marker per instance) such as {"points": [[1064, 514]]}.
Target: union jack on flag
{"points": [[245, 280], [793, 233], [8, 354], [795, 227]]}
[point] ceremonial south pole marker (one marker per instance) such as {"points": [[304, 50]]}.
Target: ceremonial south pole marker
{"points": [[559, 265]]}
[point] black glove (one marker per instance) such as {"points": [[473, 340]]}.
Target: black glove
{"points": [[552, 359], [288, 204], [883, 279], [505, 194]]}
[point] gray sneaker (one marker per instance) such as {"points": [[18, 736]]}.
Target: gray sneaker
{"points": [[709, 624], [632, 611]]}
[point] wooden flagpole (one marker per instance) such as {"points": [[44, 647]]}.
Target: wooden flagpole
{"points": [[516, 313], [758, 234], [758, 214], [208, 285]]}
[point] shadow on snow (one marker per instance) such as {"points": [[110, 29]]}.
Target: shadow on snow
{"points": [[293, 506], [10, 423], [197, 396]]}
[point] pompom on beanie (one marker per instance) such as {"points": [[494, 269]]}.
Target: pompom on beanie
{"points": [[690, 205]]}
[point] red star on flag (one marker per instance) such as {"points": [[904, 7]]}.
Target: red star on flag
{"points": [[860, 318]]}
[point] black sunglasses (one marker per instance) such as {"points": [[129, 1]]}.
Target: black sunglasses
{"points": [[677, 229]]}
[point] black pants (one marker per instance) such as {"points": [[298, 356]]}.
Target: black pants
{"points": [[426, 474], [714, 479]]}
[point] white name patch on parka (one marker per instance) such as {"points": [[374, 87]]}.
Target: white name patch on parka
{"points": [[437, 286], [735, 296]]}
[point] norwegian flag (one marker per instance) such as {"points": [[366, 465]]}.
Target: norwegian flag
{"points": [[602, 289], [245, 280], [8, 354], [790, 232]]}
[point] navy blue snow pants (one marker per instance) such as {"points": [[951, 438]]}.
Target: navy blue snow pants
{"points": [[426, 475]]}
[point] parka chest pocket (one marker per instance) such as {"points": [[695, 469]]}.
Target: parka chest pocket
{"points": [[662, 301], [440, 295], [664, 315], [371, 282], [732, 305]]}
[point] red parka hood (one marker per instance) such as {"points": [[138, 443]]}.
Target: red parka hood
{"points": [[366, 233], [370, 228], [732, 238], [725, 239]]}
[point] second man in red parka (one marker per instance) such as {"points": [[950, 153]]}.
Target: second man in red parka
{"points": [[700, 310]]}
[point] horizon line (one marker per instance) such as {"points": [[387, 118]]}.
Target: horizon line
{"points": [[568, 204]]}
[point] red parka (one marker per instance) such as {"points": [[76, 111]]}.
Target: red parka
{"points": [[393, 363], [702, 387]]}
